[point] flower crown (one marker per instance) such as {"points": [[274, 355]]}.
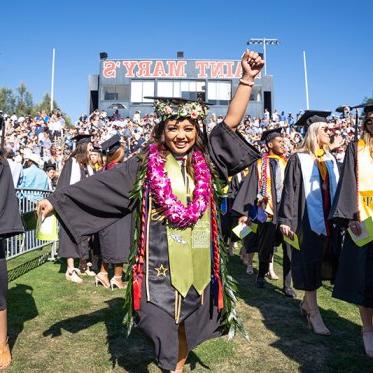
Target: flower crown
{"points": [[167, 109]]}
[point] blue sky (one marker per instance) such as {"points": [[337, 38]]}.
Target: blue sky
{"points": [[336, 38]]}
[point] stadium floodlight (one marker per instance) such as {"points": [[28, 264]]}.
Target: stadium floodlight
{"points": [[264, 42]]}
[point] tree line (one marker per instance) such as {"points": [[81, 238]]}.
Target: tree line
{"points": [[20, 102]]}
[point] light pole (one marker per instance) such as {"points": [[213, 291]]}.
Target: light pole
{"points": [[52, 79], [306, 80], [264, 42]]}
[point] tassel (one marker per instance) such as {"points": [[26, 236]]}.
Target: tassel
{"points": [[220, 295], [136, 290]]}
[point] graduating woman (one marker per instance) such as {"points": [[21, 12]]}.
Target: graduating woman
{"points": [[311, 178], [10, 225], [115, 240], [178, 293], [75, 169], [353, 208]]}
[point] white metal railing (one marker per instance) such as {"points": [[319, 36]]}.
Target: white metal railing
{"points": [[26, 242]]}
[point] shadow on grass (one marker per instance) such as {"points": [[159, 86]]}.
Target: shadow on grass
{"points": [[21, 308], [133, 353], [343, 351]]}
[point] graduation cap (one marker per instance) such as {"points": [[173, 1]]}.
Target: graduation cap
{"points": [[178, 107], [96, 149], [111, 145], [49, 166], [82, 139], [368, 109], [312, 116], [269, 135]]}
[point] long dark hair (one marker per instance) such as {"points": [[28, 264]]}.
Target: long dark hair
{"points": [[81, 154], [117, 156]]}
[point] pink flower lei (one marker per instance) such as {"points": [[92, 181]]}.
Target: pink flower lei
{"points": [[173, 209]]}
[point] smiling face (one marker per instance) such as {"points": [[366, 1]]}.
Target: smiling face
{"points": [[180, 135], [277, 145]]}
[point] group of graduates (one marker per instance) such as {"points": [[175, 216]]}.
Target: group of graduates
{"points": [[320, 212], [160, 211]]}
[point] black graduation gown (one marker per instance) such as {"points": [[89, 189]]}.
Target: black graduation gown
{"points": [[266, 238], [93, 204], [115, 240], [10, 223], [354, 279], [67, 247], [228, 217], [309, 265]]}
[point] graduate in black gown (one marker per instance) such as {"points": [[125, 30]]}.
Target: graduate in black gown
{"points": [[178, 292], [115, 240], [311, 179], [10, 225], [75, 169], [353, 205], [258, 200]]}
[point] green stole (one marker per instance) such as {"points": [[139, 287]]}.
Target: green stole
{"points": [[189, 249]]}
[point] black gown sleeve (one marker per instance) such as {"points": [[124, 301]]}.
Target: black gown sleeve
{"points": [[10, 219], [288, 210], [65, 176], [96, 202], [229, 151], [244, 202], [345, 206]]}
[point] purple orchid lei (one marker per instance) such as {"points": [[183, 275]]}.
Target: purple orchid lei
{"points": [[173, 209]]}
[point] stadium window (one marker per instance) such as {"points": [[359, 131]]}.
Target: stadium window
{"points": [[219, 92], [165, 88], [116, 92], [256, 94], [141, 89]]}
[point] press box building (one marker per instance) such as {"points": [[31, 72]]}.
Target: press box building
{"points": [[129, 81]]}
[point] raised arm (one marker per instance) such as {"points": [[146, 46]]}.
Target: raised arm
{"points": [[251, 64]]}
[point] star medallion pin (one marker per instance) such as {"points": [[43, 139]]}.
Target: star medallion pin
{"points": [[161, 271]]}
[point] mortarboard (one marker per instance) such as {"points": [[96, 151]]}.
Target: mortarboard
{"points": [[312, 116], [111, 145], [82, 138], [368, 109], [96, 149], [178, 107], [269, 135]]}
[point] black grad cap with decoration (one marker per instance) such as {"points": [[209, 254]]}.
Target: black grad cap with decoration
{"points": [[271, 134], [178, 108], [310, 117], [111, 145]]}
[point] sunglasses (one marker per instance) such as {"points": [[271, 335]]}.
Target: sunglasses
{"points": [[325, 129], [368, 122]]}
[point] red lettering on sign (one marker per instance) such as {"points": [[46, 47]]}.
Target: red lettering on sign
{"points": [[143, 69], [159, 71], [217, 69], [176, 69], [201, 67], [238, 72], [130, 66], [109, 70], [229, 69]]}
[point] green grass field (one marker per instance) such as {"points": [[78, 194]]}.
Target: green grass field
{"points": [[56, 326]]}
